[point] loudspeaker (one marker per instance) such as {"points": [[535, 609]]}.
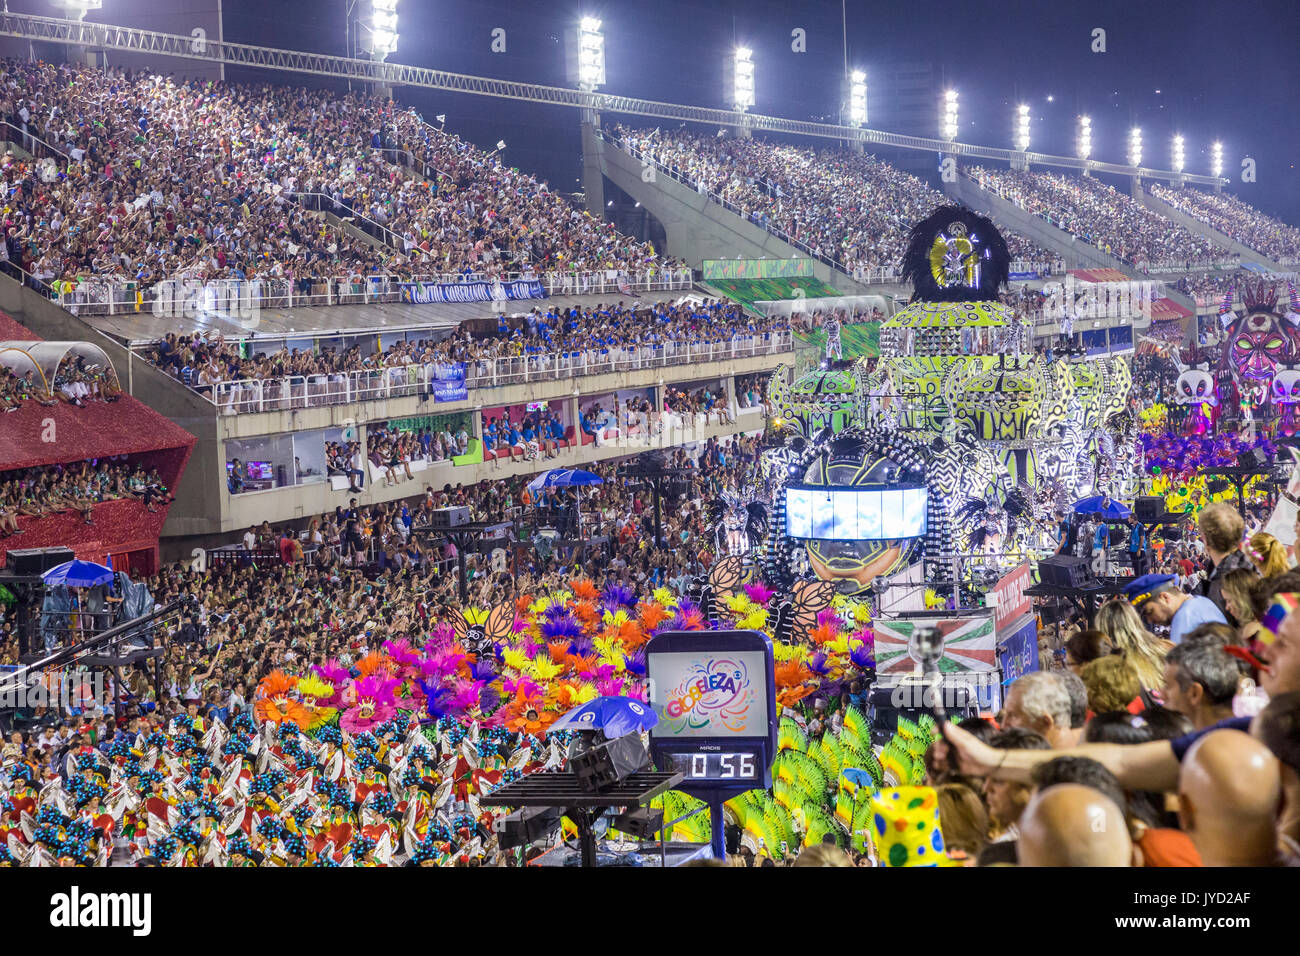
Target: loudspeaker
{"points": [[529, 825], [1148, 508], [444, 519], [640, 822], [1065, 571], [609, 763], [36, 560], [1253, 458]]}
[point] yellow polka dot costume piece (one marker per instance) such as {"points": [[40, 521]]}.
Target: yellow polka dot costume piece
{"points": [[905, 827]]}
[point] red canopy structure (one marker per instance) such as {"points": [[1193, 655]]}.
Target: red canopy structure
{"points": [[63, 434]]}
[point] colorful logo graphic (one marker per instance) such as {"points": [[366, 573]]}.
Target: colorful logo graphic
{"points": [[715, 693]]}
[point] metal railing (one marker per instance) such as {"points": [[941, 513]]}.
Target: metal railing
{"points": [[244, 396], [240, 299]]}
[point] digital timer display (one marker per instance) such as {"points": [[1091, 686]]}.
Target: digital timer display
{"points": [[716, 766]]}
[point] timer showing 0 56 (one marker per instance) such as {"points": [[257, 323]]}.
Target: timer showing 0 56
{"points": [[716, 766]]}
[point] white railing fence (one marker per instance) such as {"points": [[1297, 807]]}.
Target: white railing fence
{"points": [[343, 388], [241, 298]]}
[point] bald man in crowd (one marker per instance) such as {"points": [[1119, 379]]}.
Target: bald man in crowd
{"points": [[1073, 825], [1229, 792]]}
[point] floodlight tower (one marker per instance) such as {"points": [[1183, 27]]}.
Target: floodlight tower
{"points": [[948, 119], [1022, 136], [1083, 143], [1177, 159], [948, 116], [1135, 158], [857, 99], [742, 84], [379, 29], [585, 67], [76, 10], [1216, 164]]}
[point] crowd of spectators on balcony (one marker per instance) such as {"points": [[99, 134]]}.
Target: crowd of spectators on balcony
{"points": [[1101, 216], [552, 337], [146, 177], [851, 208], [44, 490], [1236, 220], [75, 383]]}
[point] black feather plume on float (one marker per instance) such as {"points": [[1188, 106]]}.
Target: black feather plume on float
{"points": [[969, 245]]}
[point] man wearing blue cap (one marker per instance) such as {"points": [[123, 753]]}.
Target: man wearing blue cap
{"points": [[1157, 598]]}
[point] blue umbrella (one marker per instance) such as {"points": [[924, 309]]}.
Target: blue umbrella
{"points": [[616, 716], [564, 478], [78, 574], [1112, 510]]}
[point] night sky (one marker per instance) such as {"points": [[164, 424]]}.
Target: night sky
{"points": [[1223, 70]]}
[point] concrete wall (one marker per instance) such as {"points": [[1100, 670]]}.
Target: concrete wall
{"points": [[1201, 229], [236, 512], [696, 227]]}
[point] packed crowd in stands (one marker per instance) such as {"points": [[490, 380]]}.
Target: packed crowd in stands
{"points": [[1235, 219], [1210, 288], [851, 208], [1158, 698], [43, 490], [202, 360], [1102, 216], [165, 178]]}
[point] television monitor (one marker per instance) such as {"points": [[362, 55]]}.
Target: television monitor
{"points": [[260, 471], [855, 514]]}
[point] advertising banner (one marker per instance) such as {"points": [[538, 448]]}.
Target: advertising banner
{"points": [[1011, 602], [756, 268], [1018, 651], [449, 382], [969, 644], [425, 292]]}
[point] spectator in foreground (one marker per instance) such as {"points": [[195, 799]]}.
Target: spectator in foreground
{"points": [[1072, 825], [1221, 529], [1039, 702], [1156, 597], [1229, 791]]}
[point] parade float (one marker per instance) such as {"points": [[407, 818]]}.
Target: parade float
{"points": [[960, 433]]}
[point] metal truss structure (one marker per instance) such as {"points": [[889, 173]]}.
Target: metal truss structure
{"points": [[108, 37]]}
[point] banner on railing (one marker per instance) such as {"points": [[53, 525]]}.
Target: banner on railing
{"points": [[423, 292], [756, 268], [449, 382]]}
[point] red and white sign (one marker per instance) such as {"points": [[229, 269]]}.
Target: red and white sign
{"points": [[1010, 601]]}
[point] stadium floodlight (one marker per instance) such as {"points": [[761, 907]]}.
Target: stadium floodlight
{"points": [[1022, 128], [857, 98], [1216, 162], [382, 28], [744, 79], [948, 116], [591, 54], [1085, 137], [1135, 146], [1178, 154], [75, 9]]}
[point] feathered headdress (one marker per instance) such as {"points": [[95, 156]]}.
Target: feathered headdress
{"points": [[955, 255]]}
